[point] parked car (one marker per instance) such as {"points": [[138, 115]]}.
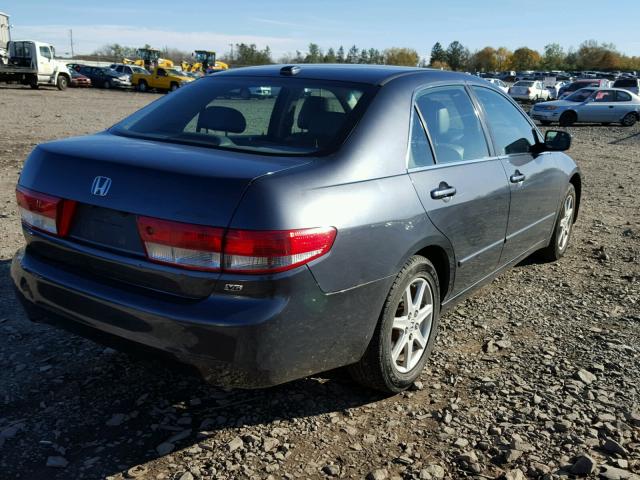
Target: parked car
{"points": [[598, 105], [583, 83], [529, 91], [164, 79], [128, 70], [79, 80], [264, 241], [554, 90], [499, 84], [628, 83], [105, 77]]}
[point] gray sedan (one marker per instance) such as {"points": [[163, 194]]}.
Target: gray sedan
{"points": [[327, 225], [593, 105]]}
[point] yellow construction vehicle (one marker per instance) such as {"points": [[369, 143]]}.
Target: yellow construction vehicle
{"points": [[128, 61], [205, 61]]}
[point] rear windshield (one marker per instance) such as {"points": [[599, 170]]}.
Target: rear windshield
{"points": [[578, 85], [626, 82], [284, 116], [523, 84]]}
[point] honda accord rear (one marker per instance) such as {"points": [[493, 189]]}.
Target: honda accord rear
{"points": [[264, 240]]}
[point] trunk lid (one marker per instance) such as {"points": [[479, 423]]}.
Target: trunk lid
{"points": [[169, 181], [165, 180]]}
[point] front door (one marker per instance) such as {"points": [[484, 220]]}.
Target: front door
{"points": [[599, 108], [534, 183], [45, 61], [465, 191]]}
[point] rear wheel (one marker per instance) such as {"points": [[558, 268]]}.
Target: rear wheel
{"points": [[107, 84], [405, 332], [564, 226], [629, 120], [62, 82], [568, 118], [33, 82]]}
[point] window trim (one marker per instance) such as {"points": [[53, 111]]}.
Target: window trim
{"points": [[479, 113], [528, 119], [416, 112]]}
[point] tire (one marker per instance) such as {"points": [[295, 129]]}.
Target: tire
{"points": [[629, 120], [606, 124], [106, 85], [62, 82], [174, 86], [377, 369], [564, 227], [33, 82], [546, 123], [142, 86], [568, 118]]}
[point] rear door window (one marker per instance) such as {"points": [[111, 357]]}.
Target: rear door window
{"points": [[604, 96], [623, 97], [453, 124]]}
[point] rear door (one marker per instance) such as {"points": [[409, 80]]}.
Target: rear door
{"points": [[461, 185], [535, 183]]}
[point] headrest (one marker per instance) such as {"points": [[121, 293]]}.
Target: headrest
{"points": [[326, 124], [310, 108], [222, 119], [437, 116]]}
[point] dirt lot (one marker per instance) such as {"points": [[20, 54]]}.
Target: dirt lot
{"points": [[557, 389]]}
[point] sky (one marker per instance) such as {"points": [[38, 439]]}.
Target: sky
{"points": [[287, 25]]}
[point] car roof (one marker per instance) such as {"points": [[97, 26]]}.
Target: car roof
{"points": [[373, 74]]}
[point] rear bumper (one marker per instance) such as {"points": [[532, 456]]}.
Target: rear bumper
{"points": [[232, 340]]}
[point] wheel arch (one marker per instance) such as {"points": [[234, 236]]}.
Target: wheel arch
{"points": [[576, 181], [443, 265]]}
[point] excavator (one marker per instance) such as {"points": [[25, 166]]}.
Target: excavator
{"points": [[205, 62]]}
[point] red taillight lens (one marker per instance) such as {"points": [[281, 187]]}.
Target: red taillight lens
{"points": [[189, 246], [253, 251], [199, 247], [45, 212]]}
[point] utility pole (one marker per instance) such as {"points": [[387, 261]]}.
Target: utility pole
{"points": [[71, 40]]}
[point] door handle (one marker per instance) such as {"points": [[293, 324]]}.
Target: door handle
{"points": [[517, 177], [443, 191]]}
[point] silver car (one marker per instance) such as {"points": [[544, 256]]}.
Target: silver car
{"points": [[594, 105]]}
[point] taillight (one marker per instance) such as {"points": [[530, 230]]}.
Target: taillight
{"points": [[252, 251], [189, 246], [199, 247], [45, 212]]}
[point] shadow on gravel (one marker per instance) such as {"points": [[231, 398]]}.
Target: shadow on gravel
{"points": [[620, 140], [104, 413]]}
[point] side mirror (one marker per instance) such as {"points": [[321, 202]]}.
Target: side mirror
{"points": [[557, 141]]}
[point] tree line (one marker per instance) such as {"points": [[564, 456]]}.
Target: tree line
{"points": [[590, 55]]}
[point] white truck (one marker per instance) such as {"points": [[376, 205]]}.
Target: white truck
{"points": [[5, 36], [34, 63]]}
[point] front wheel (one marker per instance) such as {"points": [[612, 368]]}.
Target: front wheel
{"points": [[62, 82], [406, 330], [142, 86], [563, 229], [567, 119], [174, 87], [629, 120], [106, 85]]}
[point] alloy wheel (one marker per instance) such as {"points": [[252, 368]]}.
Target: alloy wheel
{"points": [[412, 325], [565, 223]]}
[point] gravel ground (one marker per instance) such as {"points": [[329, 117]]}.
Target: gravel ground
{"points": [[536, 376]]}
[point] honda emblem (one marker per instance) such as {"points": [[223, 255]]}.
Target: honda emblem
{"points": [[100, 186]]}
